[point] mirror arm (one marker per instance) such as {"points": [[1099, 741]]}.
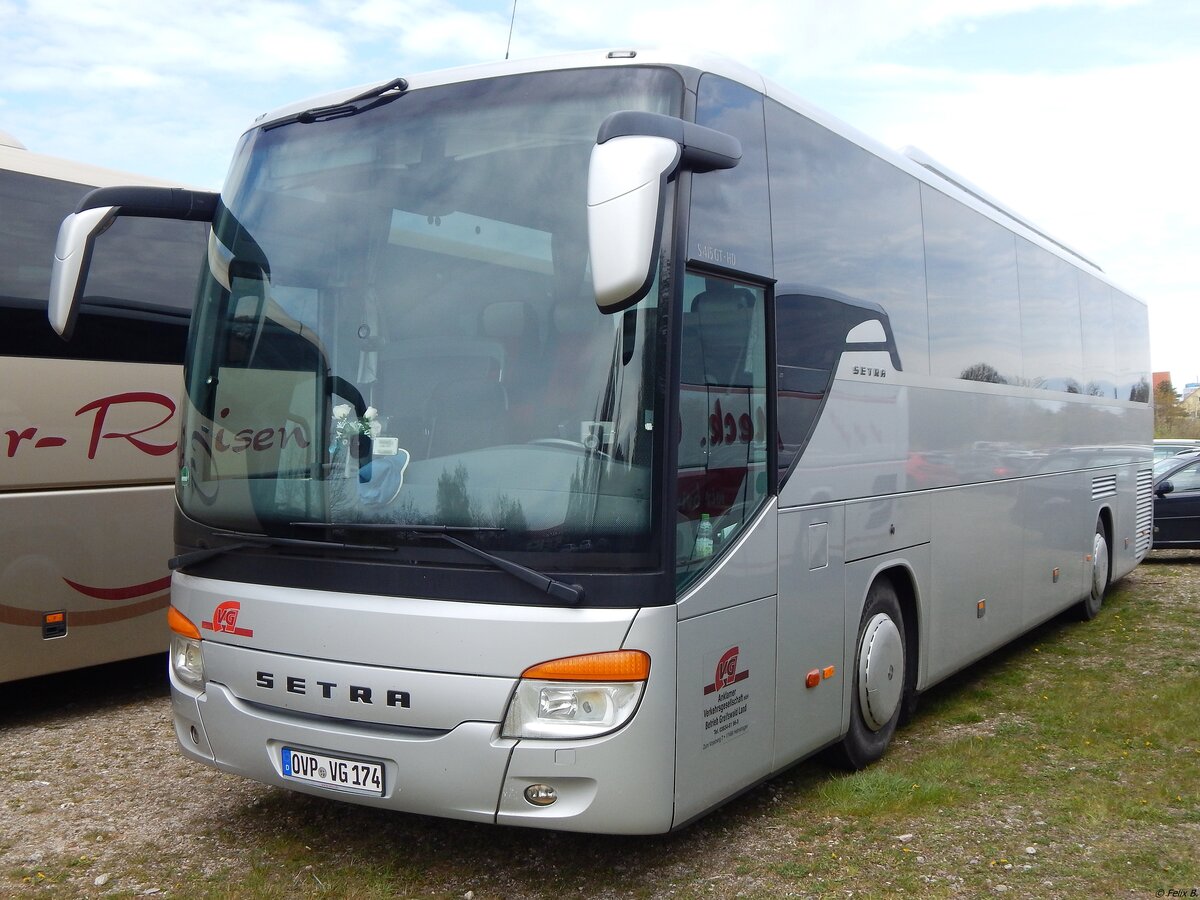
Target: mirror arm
{"points": [[701, 149], [95, 213], [153, 202]]}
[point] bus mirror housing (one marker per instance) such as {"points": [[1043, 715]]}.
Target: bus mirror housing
{"points": [[72, 256], [635, 155], [95, 213]]}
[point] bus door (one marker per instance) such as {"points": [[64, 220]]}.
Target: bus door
{"points": [[725, 545]]}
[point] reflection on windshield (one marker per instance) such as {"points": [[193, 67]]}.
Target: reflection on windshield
{"points": [[398, 325]]}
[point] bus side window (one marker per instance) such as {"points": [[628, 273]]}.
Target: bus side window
{"points": [[809, 334], [722, 403]]}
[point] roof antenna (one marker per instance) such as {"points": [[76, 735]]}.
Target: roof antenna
{"points": [[511, 22]]}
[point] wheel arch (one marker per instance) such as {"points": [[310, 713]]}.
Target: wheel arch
{"points": [[904, 576], [904, 583]]}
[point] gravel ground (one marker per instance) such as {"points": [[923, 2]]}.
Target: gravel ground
{"points": [[93, 785], [95, 799]]}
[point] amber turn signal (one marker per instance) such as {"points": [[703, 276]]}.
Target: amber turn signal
{"points": [[616, 665], [181, 624]]}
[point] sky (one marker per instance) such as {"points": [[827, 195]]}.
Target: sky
{"points": [[1082, 115]]}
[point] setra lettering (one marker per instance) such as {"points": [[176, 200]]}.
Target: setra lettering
{"points": [[355, 693]]}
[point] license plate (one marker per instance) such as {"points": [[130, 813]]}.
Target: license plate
{"points": [[348, 774]]}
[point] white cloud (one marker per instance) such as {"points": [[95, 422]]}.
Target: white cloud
{"points": [[429, 30], [146, 43]]}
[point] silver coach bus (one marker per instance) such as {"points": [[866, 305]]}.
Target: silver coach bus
{"points": [[88, 431], [576, 443]]}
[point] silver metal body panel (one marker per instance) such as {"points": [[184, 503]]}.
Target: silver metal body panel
{"points": [[725, 730], [357, 693], [422, 635], [620, 783], [888, 524], [442, 753], [1006, 505], [812, 630]]}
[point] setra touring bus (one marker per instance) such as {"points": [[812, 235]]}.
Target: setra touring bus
{"points": [[576, 443], [88, 431]]}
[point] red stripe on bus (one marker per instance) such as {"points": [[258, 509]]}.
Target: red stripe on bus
{"points": [[121, 593]]}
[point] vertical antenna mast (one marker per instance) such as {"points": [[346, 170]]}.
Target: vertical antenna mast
{"points": [[511, 22]]}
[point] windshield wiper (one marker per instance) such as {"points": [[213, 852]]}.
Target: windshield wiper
{"points": [[258, 541], [559, 590], [380, 94]]}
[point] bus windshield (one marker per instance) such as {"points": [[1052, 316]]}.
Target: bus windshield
{"points": [[397, 327]]}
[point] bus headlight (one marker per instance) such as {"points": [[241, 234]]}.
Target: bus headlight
{"points": [[187, 660], [577, 697]]}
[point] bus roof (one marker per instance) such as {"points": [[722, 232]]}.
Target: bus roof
{"points": [[915, 163]]}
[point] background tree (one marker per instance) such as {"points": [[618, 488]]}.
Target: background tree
{"points": [[1168, 415]]}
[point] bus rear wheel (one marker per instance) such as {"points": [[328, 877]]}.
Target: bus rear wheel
{"points": [[1089, 606], [880, 679]]}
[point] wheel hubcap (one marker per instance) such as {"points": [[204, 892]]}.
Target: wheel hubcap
{"points": [[1099, 566], [880, 671]]}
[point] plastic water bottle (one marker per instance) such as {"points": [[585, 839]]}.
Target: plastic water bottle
{"points": [[704, 538]]}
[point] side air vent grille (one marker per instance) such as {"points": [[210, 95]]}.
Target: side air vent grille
{"points": [[1104, 486], [1145, 512]]}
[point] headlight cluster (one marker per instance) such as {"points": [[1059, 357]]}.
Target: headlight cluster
{"points": [[577, 697], [187, 659]]}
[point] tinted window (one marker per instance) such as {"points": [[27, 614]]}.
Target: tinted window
{"points": [[810, 336], [848, 222], [1099, 364], [1133, 362], [974, 313], [139, 292], [31, 209], [722, 412], [1051, 342], [730, 224]]}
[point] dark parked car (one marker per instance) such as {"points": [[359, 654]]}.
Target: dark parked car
{"points": [[1177, 502]]}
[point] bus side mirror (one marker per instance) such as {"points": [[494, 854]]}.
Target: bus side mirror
{"points": [[635, 155], [72, 256], [625, 211], [96, 211]]}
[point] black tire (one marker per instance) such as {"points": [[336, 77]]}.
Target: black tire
{"points": [[871, 730], [1089, 607]]}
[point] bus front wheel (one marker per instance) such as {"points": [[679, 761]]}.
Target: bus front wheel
{"points": [[1089, 606], [880, 678]]}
